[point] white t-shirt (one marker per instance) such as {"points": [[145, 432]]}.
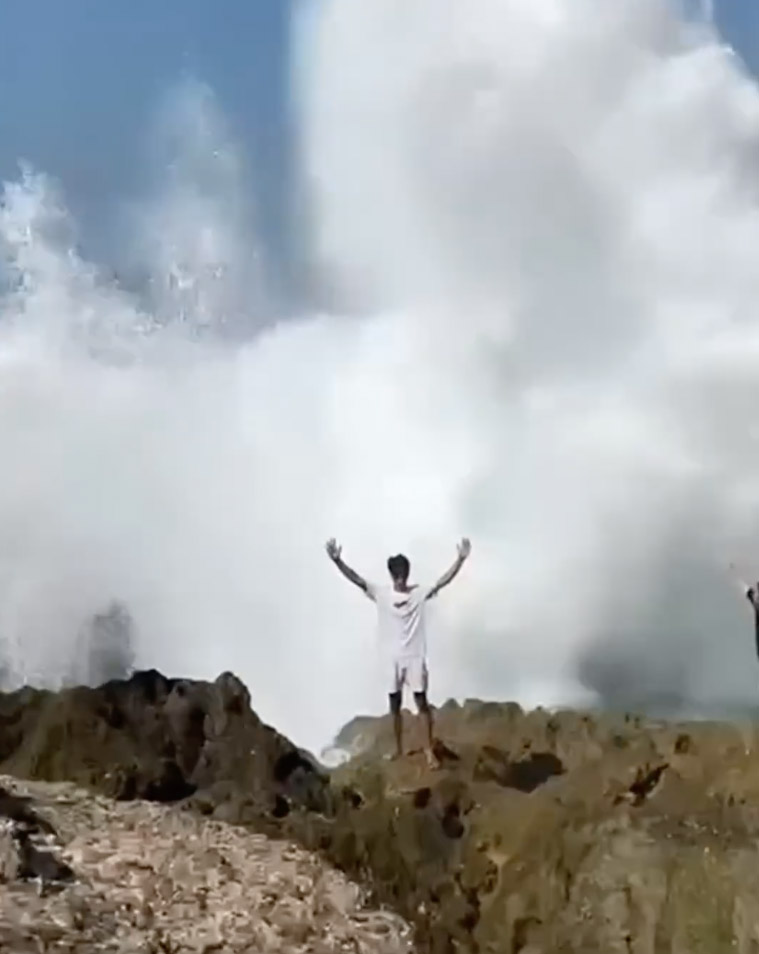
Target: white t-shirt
{"points": [[401, 619]]}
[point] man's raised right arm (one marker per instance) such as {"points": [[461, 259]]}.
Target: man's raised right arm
{"points": [[334, 552]]}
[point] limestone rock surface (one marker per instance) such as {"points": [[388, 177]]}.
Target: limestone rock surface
{"points": [[541, 833], [559, 833], [141, 878]]}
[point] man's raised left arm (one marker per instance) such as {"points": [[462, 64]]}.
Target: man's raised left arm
{"points": [[464, 549]]}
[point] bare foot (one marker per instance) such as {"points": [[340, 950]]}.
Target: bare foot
{"points": [[394, 756]]}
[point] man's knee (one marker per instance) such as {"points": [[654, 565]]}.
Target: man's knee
{"points": [[395, 702], [422, 703]]}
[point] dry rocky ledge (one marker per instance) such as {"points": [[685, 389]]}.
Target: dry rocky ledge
{"points": [[82, 873], [542, 833]]}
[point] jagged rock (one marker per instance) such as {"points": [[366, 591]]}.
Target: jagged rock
{"points": [[547, 833], [27, 845], [163, 740], [560, 833], [148, 879]]}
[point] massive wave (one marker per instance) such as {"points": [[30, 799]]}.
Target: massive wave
{"points": [[534, 228]]}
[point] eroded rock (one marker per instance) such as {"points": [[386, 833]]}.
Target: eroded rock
{"points": [[28, 845], [162, 740], [561, 832], [146, 879], [541, 832]]}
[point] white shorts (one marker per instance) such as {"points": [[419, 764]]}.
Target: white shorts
{"points": [[408, 672]]}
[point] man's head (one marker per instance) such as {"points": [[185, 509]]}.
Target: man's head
{"points": [[399, 568]]}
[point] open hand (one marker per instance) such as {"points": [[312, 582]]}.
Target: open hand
{"points": [[333, 549], [464, 548]]}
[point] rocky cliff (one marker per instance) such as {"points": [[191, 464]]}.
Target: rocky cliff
{"points": [[540, 833], [564, 833]]}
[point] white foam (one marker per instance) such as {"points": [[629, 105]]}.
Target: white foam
{"points": [[541, 220]]}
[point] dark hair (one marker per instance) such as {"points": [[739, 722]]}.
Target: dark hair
{"points": [[399, 567]]}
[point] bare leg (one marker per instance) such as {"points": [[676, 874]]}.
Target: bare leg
{"points": [[395, 709], [425, 712]]}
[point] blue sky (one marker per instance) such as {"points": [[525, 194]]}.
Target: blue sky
{"points": [[739, 23], [79, 80]]}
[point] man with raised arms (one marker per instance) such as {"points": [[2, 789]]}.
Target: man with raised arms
{"points": [[401, 611]]}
